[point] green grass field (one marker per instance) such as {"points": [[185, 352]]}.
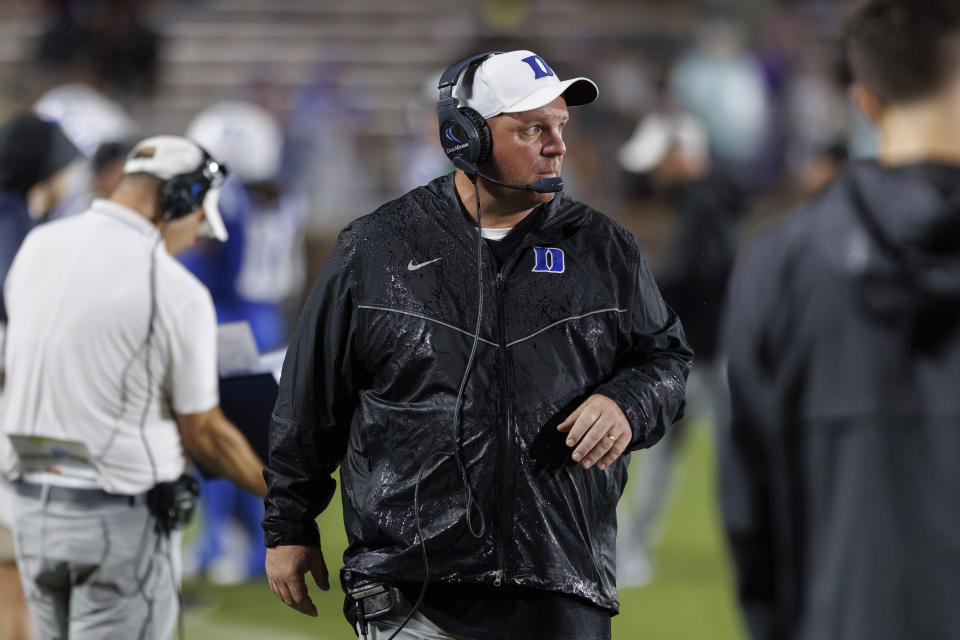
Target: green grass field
{"points": [[690, 597]]}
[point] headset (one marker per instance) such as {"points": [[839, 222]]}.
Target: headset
{"points": [[465, 135], [182, 194]]}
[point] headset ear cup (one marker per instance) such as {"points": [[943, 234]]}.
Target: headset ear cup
{"points": [[175, 197], [168, 200], [484, 139]]}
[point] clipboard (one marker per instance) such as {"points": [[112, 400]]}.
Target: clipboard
{"points": [[67, 458]]}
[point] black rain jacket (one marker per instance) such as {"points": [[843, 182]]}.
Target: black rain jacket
{"points": [[841, 468], [371, 378]]}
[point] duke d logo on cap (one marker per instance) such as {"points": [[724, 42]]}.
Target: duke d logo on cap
{"points": [[539, 66]]}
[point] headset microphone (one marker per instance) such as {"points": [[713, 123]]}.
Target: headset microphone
{"points": [[543, 185]]}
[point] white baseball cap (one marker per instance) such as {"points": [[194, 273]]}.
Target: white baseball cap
{"points": [[518, 81], [168, 156]]}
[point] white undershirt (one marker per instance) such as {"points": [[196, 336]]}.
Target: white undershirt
{"points": [[495, 234]]}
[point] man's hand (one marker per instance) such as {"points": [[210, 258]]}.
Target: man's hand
{"points": [[601, 430], [286, 566]]}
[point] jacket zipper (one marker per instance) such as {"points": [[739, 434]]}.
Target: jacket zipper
{"points": [[504, 509]]}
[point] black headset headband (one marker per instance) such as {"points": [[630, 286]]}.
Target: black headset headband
{"points": [[449, 78]]}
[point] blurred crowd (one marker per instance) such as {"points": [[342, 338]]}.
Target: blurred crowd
{"points": [[698, 137], [765, 82]]}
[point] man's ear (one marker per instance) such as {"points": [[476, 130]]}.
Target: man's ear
{"points": [[867, 101]]}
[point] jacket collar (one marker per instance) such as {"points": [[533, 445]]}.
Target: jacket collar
{"points": [[561, 215]]}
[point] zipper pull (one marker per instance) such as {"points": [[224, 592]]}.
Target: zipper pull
{"points": [[499, 579]]}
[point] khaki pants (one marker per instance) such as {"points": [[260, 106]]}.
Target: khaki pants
{"points": [[95, 571]]}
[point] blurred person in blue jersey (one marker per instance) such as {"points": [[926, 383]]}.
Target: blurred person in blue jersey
{"points": [[670, 149], [34, 154], [252, 277], [261, 267], [840, 482]]}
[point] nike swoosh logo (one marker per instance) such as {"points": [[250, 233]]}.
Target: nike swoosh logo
{"points": [[414, 267]]}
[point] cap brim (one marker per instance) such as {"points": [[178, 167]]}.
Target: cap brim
{"points": [[212, 225], [576, 92]]}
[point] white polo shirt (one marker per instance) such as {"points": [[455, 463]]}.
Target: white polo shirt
{"points": [[78, 299]]}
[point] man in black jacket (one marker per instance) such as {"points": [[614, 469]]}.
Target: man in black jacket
{"points": [[478, 394], [840, 478]]}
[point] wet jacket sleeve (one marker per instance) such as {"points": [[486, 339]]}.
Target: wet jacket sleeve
{"points": [[743, 455], [310, 421], [652, 362]]}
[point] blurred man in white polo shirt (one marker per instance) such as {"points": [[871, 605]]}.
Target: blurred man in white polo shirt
{"points": [[111, 380]]}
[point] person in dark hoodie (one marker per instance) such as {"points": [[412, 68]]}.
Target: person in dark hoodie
{"points": [[33, 154], [840, 482]]}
